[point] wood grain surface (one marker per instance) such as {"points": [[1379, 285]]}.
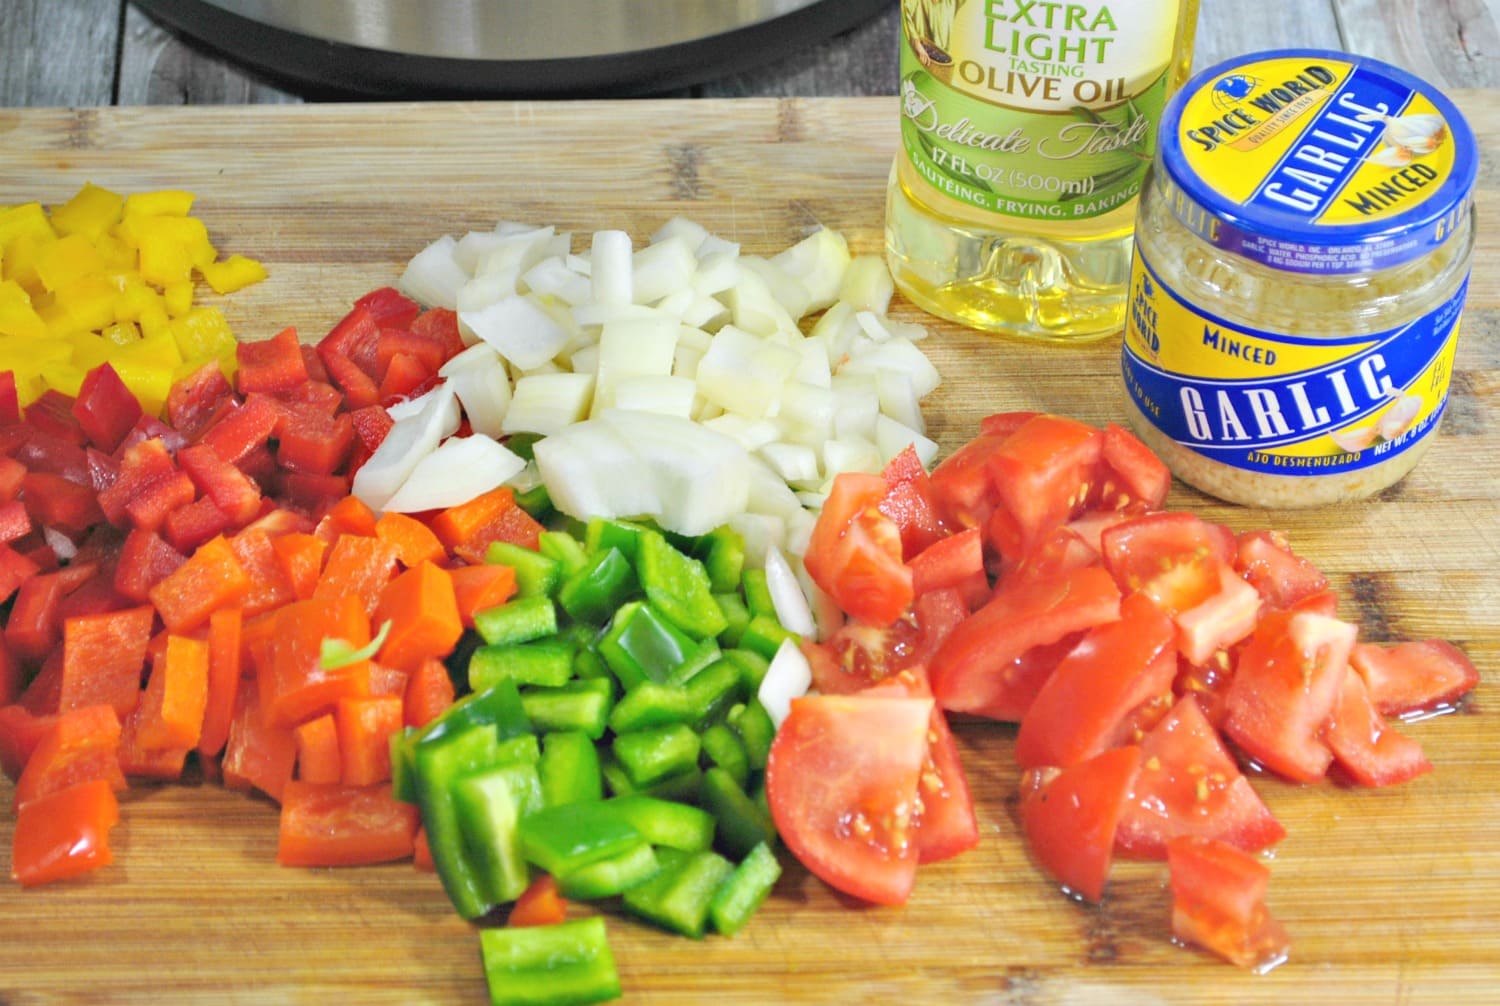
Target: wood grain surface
{"points": [[1390, 896]]}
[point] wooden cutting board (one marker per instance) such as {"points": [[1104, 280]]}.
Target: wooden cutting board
{"points": [[1390, 896]]}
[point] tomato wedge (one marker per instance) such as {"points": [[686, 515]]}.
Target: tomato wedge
{"points": [[1219, 903], [855, 552], [1070, 816], [1364, 744], [1190, 785], [841, 780], [1285, 685], [980, 668], [1420, 676]]}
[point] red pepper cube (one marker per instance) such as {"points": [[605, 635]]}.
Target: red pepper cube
{"points": [[10, 399], [52, 413], [103, 657], [21, 730], [355, 339], [106, 409], [389, 307], [238, 432], [259, 754], [358, 567], [140, 464], [232, 490], [64, 834], [60, 503], [11, 474], [194, 523], [365, 726], [15, 522], [145, 560], [15, 569], [269, 587], [296, 685], [80, 745], [311, 492], [403, 377], [212, 578], [196, 400], [321, 396], [426, 350], [371, 424], [309, 441], [440, 323], [274, 364]]}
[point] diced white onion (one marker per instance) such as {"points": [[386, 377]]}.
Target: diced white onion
{"points": [[792, 609], [789, 677], [458, 470]]}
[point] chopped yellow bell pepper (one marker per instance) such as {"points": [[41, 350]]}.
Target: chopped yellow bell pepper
{"points": [[91, 212], [112, 277]]}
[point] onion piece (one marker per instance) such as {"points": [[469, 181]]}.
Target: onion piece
{"points": [[409, 441], [791, 604], [456, 471], [789, 677]]}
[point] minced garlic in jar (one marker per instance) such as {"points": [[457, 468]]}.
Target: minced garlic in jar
{"points": [[1301, 260]]}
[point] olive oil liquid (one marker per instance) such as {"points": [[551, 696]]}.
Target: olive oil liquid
{"points": [[1041, 277]]}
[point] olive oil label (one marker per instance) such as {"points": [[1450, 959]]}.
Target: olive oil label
{"points": [[1279, 404], [1032, 108], [1309, 163]]}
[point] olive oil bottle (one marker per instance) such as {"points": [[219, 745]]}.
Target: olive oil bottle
{"points": [[1026, 132]]}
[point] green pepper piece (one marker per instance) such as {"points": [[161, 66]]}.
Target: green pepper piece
{"points": [[566, 963], [664, 822], [582, 704], [657, 753], [678, 897], [522, 750], [536, 574], [677, 585], [592, 592], [603, 533], [756, 730], [757, 593], [764, 635], [705, 654], [722, 552], [736, 617], [682, 787], [562, 548], [403, 778], [498, 707], [519, 620], [713, 691], [649, 704], [612, 876], [540, 662], [440, 761], [724, 749], [741, 824], [640, 644], [752, 667], [564, 838], [536, 501], [569, 768], [745, 890], [491, 804]]}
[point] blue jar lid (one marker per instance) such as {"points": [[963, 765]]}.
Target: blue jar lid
{"points": [[1313, 161]]}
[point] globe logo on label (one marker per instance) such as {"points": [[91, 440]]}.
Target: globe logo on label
{"points": [[1233, 88]]}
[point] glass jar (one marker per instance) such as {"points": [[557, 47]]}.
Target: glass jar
{"points": [[1301, 260]]}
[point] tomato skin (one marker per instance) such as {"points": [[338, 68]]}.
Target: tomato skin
{"points": [[1137, 550], [1134, 473], [841, 780], [1365, 746], [855, 552], [910, 501], [1266, 560], [1070, 816], [1218, 903], [1190, 785], [1080, 709], [1285, 685], [1417, 676], [961, 481], [977, 669], [1040, 476]]}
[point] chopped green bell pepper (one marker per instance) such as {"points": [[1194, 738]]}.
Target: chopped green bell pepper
{"points": [[519, 620], [569, 768], [678, 897], [656, 753], [557, 965], [744, 891], [678, 586], [540, 662]]}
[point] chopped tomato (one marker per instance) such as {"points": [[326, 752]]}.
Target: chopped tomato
{"points": [[1365, 746], [909, 500], [1420, 676], [981, 666], [842, 781], [1219, 903], [1142, 548], [1041, 477], [1189, 784], [1285, 685], [1133, 474], [1266, 560], [1082, 709], [1069, 816], [855, 553]]}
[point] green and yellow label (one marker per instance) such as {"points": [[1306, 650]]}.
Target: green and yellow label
{"points": [[1035, 109]]}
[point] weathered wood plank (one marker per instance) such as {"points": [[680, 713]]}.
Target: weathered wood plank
{"points": [[1223, 31], [1452, 42], [58, 52]]}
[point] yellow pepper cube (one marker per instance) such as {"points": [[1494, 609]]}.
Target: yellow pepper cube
{"points": [[118, 255], [234, 273], [91, 212], [170, 247], [89, 301], [155, 323], [18, 316], [203, 333], [159, 203], [25, 219], [178, 298], [121, 333], [21, 258], [60, 262], [156, 349], [136, 299], [90, 350]]}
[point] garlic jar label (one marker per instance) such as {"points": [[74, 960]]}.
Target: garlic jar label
{"points": [[1043, 110], [1279, 404]]}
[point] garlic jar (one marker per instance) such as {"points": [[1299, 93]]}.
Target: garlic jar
{"points": [[1301, 260]]}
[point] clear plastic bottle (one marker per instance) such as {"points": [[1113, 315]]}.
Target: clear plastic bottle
{"points": [[1026, 131]]}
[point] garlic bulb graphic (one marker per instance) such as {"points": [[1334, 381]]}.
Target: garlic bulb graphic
{"points": [[1407, 137]]}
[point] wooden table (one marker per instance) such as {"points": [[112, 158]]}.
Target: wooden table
{"points": [[1390, 896], [107, 52]]}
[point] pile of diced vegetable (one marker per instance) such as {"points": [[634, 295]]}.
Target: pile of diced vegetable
{"points": [[523, 572]]}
